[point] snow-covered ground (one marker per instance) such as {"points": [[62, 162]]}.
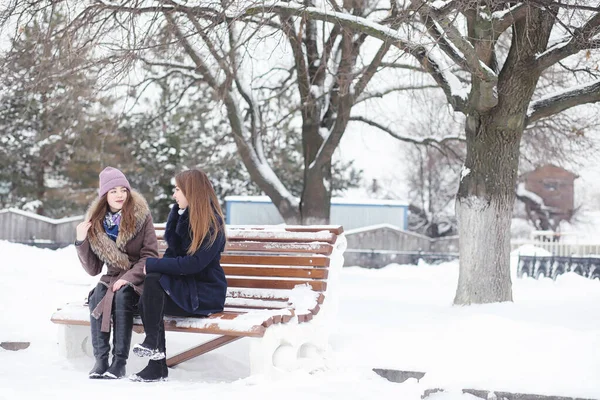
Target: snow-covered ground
{"points": [[399, 317]]}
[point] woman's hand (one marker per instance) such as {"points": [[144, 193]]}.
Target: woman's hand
{"points": [[119, 284], [82, 230]]}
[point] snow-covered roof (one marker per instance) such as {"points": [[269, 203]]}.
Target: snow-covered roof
{"points": [[334, 200], [383, 226], [575, 176]]}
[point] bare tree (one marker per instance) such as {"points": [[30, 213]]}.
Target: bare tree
{"points": [[249, 57], [456, 41]]}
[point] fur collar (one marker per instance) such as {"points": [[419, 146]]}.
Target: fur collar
{"points": [[113, 253]]}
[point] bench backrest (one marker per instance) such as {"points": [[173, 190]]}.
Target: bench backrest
{"points": [[264, 263]]}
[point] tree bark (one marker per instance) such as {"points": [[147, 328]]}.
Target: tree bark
{"points": [[316, 196], [483, 208], [315, 199]]}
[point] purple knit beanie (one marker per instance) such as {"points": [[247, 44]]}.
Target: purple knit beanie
{"points": [[111, 178]]}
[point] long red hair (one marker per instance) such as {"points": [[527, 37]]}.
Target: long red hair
{"points": [[206, 216]]}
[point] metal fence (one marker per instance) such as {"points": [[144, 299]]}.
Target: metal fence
{"points": [[560, 249], [553, 266]]}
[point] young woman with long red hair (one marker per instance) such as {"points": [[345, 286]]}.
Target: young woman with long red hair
{"points": [[117, 232], [188, 280]]}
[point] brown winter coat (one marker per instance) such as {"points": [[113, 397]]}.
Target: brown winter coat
{"points": [[125, 258]]}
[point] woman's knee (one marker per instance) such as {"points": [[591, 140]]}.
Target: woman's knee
{"points": [[152, 282], [153, 276], [125, 298], [96, 295]]}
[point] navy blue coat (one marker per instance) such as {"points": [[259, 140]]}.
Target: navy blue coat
{"points": [[196, 282]]}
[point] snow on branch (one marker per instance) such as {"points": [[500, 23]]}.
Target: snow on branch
{"points": [[452, 87], [583, 38], [504, 19], [557, 102], [473, 63], [532, 197]]}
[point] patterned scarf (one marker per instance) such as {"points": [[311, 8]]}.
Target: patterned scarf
{"points": [[111, 224]]}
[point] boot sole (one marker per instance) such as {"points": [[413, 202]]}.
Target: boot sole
{"points": [[136, 378], [96, 375], [108, 375]]}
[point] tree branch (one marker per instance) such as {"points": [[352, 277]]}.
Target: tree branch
{"points": [[546, 107], [583, 38], [392, 90], [299, 60], [502, 20], [409, 139], [196, 59], [371, 69], [442, 77], [473, 63]]}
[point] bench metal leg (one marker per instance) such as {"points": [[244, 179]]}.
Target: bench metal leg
{"points": [[202, 349]]}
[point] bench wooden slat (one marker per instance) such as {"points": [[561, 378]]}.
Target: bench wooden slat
{"points": [[223, 323], [318, 286], [269, 247], [234, 235], [282, 295], [335, 229], [262, 294], [314, 273], [314, 261], [272, 247], [319, 261], [255, 303]]}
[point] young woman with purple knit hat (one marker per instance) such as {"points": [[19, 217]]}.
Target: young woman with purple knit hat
{"points": [[117, 232]]}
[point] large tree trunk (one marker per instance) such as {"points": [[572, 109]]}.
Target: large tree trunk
{"points": [[315, 199], [486, 192], [484, 208], [316, 196]]}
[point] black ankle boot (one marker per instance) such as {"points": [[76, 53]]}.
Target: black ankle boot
{"points": [[116, 369], [155, 371], [99, 369]]}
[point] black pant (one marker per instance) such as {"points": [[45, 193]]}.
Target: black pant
{"points": [[154, 305]]}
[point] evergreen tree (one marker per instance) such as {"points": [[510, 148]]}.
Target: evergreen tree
{"points": [[48, 107]]}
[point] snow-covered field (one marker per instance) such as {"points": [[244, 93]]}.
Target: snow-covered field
{"points": [[400, 317]]}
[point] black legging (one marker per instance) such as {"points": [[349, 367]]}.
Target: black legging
{"points": [[154, 305]]}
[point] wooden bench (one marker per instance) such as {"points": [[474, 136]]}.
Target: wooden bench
{"points": [[281, 281]]}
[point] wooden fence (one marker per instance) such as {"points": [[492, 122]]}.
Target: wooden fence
{"points": [[25, 227], [379, 245]]}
